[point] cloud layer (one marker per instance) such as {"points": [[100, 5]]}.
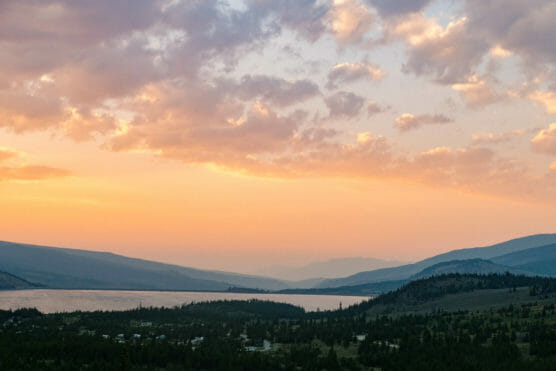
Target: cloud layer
{"points": [[26, 172], [207, 82]]}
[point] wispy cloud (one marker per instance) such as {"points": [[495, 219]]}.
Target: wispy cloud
{"points": [[31, 172], [408, 121]]}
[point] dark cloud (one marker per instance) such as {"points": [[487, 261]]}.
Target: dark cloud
{"points": [[344, 104], [275, 90], [388, 8], [373, 108], [307, 17], [448, 56], [349, 72], [524, 27]]}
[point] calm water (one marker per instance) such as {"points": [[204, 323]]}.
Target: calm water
{"points": [[51, 301]]}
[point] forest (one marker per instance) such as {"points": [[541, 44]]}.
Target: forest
{"points": [[399, 330]]}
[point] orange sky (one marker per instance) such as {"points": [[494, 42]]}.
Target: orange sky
{"points": [[256, 137]]}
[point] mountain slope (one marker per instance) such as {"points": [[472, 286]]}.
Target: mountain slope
{"points": [[469, 266], [459, 267], [456, 292], [540, 260], [10, 282], [333, 268], [406, 271], [68, 268]]}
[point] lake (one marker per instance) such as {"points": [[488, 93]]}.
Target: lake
{"points": [[52, 301]]}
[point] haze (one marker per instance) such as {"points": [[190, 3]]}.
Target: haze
{"points": [[240, 135]]}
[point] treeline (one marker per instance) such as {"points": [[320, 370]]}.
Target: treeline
{"points": [[512, 338], [261, 335], [434, 287]]}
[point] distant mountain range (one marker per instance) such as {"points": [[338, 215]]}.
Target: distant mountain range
{"points": [[540, 260], [333, 268], [405, 272], [52, 267]]}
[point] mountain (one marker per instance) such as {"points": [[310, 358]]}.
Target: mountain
{"points": [[10, 282], [333, 268], [469, 266], [462, 267], [79, 269], [406, 271], [540, 260], [456, 292]]}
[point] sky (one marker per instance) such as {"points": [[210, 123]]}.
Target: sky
{"points": [[241, 134]]}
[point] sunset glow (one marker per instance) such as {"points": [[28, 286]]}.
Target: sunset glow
{"points": [[241, 134]]}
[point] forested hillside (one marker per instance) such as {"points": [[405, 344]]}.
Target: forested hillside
{"points": [[258, 335]]}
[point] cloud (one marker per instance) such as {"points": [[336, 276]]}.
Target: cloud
{"points": [[31, 172], [344, 104], [26, 172], [545, 140], [275, 90], [475, 169], [6, 154], [350, 20], [389, 8], [22, 110], [448, 54], [525, 28], [477, 92], [407, 121], [307, 17], [170, 131], [170, 78], [499, 52], [80, 55], [453, 54], [373, 109], [547, 98], [495, 138], [349, 72]]}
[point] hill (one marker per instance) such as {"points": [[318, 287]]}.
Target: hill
{"points": [[460, 292], [406, 271], [469, 266], [80, 269], [333, 268], [540, 260], [10, 282]]}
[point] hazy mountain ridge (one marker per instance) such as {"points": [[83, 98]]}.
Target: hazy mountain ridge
{"points": [[80, 269], [68, 268], [10, 282], [461, 267], [540, 260], [406, 271], [333, 268], [469, 266]]}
